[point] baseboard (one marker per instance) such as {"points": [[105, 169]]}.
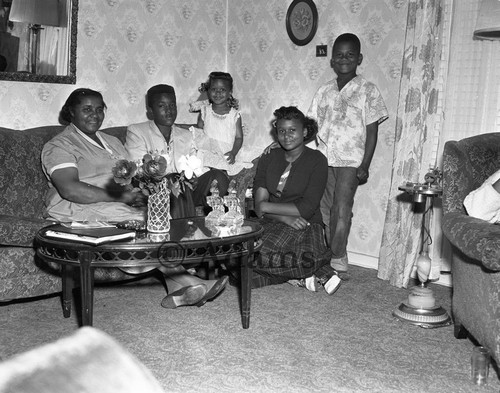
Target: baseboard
{"points": [[370, 262], [363, 260]]}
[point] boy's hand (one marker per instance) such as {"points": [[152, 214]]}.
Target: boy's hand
{"points": [[230, 157], [268, 149], [362, 174]]}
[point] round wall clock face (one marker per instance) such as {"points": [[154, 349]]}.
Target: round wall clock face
{"points": [[302, 21]]}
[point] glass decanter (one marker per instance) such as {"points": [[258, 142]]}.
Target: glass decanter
{"points": [[233, 217], [216, 202]]}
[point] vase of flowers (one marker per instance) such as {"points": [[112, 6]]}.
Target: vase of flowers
{"points": [[151, 176], [159, 209]]}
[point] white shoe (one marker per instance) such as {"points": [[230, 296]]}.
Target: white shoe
{"points": [[310, 283], [332, 284]]}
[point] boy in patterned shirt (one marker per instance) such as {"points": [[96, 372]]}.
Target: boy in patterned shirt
{"points": [[348, 110]]}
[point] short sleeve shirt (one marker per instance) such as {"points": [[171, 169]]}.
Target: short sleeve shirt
{"points": [[72, 148], [342, 118]]}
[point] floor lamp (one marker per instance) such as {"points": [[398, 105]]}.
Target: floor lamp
{"points": [[421, 309], [36, 13]]}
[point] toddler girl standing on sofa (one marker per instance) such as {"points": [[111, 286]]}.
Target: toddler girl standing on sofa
{"points": [[219, 136]]}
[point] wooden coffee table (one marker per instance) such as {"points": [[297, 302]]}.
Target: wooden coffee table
{"points": [[189, 243]]}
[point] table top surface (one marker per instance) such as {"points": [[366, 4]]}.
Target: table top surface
{"points": [[186, 231]]}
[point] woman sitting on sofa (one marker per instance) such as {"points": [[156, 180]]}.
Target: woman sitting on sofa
{"points": [[78, 164]]}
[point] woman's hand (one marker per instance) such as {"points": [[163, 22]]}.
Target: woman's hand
{"points": [[298, 223], [134, 198]]}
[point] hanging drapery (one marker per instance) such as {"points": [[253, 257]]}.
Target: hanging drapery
{"points": [[415, 128], [53, 51], [48, 50]]}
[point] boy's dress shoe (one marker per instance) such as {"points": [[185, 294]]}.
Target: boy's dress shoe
{"points": [[186, 296], [214, 291]]}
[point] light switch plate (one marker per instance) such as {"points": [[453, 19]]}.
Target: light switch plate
{"points": [[321, 50]]}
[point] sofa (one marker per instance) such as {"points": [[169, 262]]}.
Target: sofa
{"points": [[475, 243], [22, 192]]}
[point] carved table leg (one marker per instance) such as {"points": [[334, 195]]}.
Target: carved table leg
{"points": [[87, 283], [246, 284], [68, 284], [246, 290]]}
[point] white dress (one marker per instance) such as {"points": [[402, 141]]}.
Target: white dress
{"points": [[217, 138]]}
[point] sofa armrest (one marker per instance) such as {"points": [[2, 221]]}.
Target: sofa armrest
{"points": [[476, 238], [20, 231]]}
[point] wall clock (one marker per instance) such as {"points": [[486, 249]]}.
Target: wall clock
{"points": [[302, 21]]}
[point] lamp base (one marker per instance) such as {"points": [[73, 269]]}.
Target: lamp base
{"points": [[428, 318]]}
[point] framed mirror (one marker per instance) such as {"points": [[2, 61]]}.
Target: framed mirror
{"points": [[38, 40]]}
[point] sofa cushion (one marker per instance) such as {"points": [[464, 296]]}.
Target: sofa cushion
{"points": [[22, 182], [20, 231], [118, 132], [23, 276]]}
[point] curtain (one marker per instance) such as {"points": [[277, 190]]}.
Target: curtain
{"points": [[49, 42], [55, 44], [415, 128]]}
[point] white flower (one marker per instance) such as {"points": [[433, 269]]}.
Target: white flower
{"points": [[190, 165]]}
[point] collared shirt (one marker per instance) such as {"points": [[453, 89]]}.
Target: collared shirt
{"points": [[342, 118], [146, 137]]}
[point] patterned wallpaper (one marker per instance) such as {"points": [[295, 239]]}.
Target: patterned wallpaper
{"points": [[126, 46], [271, 71]]}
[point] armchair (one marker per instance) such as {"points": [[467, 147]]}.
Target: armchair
{"points": [[475, 243]]}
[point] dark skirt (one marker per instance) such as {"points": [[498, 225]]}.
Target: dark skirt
{"points": [[288, 253]]}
